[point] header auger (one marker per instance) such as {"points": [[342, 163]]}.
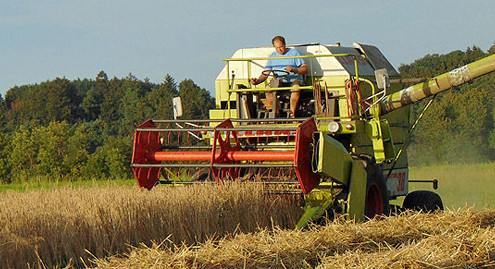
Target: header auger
{"points": [[343, 152]]}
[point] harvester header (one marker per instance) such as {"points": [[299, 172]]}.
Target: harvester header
{"points": [[343, 152]]}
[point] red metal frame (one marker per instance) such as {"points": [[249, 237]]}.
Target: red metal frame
{"points": [[223, 141], [302, 161], [225, 150], [146, 142]]}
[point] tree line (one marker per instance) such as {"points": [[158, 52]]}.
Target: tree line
{"points": [[81, 129], [459, 125], [84, 128]]}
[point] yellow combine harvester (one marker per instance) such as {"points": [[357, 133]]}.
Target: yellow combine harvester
{"points": [[344, 151]]}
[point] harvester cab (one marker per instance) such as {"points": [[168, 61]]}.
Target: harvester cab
{"points": [[344, 151]]}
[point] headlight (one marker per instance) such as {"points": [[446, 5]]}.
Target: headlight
{"points": [[333, 126]]}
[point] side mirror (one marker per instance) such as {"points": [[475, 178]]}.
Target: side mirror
{"points": [[382, 79], [177, 106]]}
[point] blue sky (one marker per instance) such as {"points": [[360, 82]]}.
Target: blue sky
{"points": [[45, 39]]}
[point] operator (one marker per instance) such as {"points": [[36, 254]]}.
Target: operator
{"points": [[292, 69]]}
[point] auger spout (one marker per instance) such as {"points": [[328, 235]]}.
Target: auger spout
{"points": [[438, 84]]}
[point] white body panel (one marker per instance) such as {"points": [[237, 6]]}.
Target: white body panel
{"points": [[319, 66], [397, 183]]}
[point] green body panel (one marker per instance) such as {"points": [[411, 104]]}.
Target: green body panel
{"points": [[379, 133], [399, 129], [357, 191], [399, 124], [221, 92], [333, 159], [317, 202], [335, 162], [216, 114]]}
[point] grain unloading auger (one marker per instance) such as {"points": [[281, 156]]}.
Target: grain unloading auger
{"points": [[344, 153]]}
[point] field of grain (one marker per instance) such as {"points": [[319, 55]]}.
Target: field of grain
{"points": [[461, 237], [451, 239], [69, 226], [232, 226]]}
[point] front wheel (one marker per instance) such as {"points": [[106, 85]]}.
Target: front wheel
{"points": [[377, 202]]}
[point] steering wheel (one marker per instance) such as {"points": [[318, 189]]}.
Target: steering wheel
{"points": [[276, 73]]}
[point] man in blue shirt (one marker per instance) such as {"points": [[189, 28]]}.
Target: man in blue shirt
{"points": [[293, 71]]}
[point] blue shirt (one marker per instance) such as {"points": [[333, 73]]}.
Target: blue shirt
{"points": [[281, 64]]}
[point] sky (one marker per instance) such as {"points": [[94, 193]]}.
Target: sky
{"points": [[41, 40]]}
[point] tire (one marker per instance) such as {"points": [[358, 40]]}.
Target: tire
{"points": [[377, 202], [426, 201]]}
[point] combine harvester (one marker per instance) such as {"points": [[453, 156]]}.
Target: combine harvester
{"points": [[344, 153]]}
